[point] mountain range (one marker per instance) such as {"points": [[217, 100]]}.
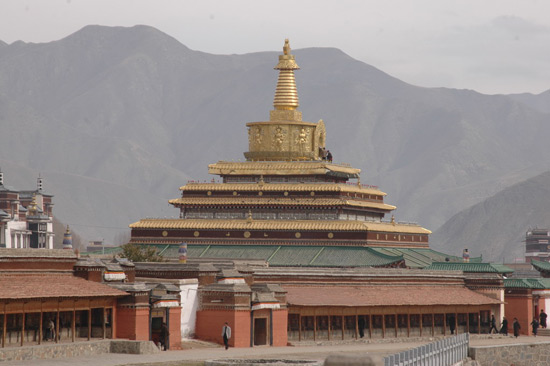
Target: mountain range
{"points": [[117, 119]]}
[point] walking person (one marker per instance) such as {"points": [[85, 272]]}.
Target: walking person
{"points": [[361, 326], [535, 326], [517, 327], [226, 335], [504, 327], [163, 336], [542, 318], [493, 325]]}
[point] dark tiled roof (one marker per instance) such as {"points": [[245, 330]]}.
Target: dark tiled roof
{"points": [[470, 267], [383, 296], [23, 286]]}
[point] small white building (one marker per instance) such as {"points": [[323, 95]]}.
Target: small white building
{"points": [[26, 218]]}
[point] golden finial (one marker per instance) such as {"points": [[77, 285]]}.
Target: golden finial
{"points": [[261, 182], [286, 47], [249, 218], [32, 208], [286, 95], [393, 220]]}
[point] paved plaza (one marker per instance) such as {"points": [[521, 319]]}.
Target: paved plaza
{"points": [[200, 351]]}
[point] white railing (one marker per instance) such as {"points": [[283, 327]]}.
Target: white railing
{"points": [[445, 352]]}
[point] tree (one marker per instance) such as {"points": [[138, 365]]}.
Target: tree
{"points": [[139, 253]]}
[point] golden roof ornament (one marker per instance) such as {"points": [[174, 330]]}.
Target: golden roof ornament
{"points": [[32, 209], [285, 137], [286, 94]]}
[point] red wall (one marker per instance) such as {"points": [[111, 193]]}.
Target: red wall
{"points": [[175, 328], [210, 323], [280, 319], [520, 307], [133, 323]]}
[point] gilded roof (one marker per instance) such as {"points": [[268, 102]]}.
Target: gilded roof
{"points": [[282, 187], [239, 200], [299, 225], [280, 168]]}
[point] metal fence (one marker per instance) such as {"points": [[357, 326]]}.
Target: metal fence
{"points": [[445, 352]]}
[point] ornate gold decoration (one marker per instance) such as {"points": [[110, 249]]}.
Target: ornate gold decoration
{"points": [[269, 225], [260, 193], [234, 193], [209, 193], [312, 194], [285, 137], [196, 234], [165, 233], [283, 201], [247, 234], [298, 235], [32, 208], [330, 235], [249, 218]]}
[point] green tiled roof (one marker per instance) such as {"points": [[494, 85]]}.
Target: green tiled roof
{"points": [[286, 256], [470, 267], [540, 265], [532, 283], [421, 257], [111, 250]]}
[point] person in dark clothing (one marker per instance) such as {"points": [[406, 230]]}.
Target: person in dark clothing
{"points": [[504, 328], [329, 156], [452, 324], [163, 336], [493, 325], [361, 327], [226, 335], [517, 327], [535, 325], [542, 319]]}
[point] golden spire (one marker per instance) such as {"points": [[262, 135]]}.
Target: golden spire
{"points": [[286, 94], [32, 209]]}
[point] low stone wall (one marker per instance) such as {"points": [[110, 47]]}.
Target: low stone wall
{"points": [[77, 349], [535, 354]]}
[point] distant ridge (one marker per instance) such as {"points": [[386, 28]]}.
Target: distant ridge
{"points": [[496, 227], [116, 119]]}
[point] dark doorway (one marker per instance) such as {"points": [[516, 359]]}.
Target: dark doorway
{"points": [[260, 331]]}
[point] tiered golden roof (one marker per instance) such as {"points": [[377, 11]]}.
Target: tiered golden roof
{"points": [[282, 168], [283, 187], [266, 201], [292, 225]]}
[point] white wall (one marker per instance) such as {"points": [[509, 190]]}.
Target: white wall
{"points": [[189, 306], [14, 225]]}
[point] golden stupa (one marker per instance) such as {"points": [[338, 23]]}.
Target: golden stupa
{"points": [[287, 192]]}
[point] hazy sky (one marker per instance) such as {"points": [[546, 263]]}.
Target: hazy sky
{"points": [[492, 46]]}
